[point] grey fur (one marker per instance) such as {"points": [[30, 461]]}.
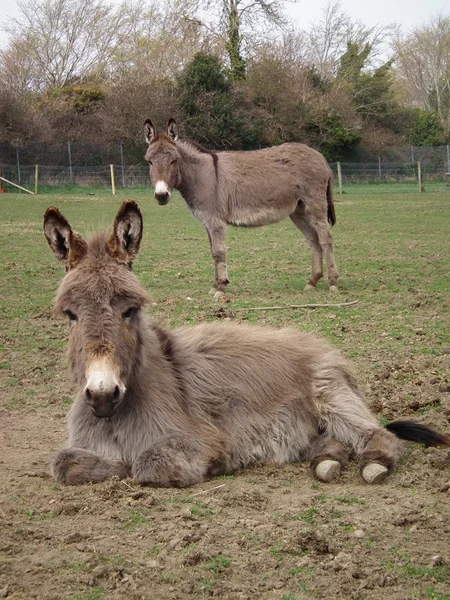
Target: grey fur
{"points": [[247, 189], [196, 401]]}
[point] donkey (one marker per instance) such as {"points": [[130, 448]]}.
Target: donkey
{"points": [[174, 408], [247, 189]]}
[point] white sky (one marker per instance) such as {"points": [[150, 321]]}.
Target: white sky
{"points": [[407, 13]]}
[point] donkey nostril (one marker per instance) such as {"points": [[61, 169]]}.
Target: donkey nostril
{"points": [[116, 395], [88, 394]]}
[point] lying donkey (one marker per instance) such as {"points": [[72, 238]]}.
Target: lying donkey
{"points": [[173, 408]]}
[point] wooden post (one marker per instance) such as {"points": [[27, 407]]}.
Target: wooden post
{"points": [[419, 175], [17, 186], [18, 164], [69, 152], [36, 178], [113, 183], [339, 172], [122, 164]]}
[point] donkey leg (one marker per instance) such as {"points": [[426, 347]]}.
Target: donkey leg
{"points": [[313, 241], [74, 466], [326, 242], [175, 462], [328, 456], [344, 414], [217, 234], [213, 290], [380, 455]]}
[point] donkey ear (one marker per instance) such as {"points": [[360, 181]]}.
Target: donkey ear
{"points": [[172, 130], [124, 242], [150, 132], [67, 245]]}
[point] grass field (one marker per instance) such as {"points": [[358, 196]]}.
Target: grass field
{"points": [[393, 253]]}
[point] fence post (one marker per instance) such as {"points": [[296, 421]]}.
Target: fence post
{"points": [[18, 165], [113, 183], [412, 154], [339, 173], [122, 164], [379, 165], [419, 175], [70, 161], [448, 159], [36, 178]]}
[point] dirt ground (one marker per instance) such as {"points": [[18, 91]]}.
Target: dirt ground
{"points": [[269, 532]]}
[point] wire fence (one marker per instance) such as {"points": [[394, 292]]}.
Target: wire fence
{"points": [[394, 172], [82, 177], [89, 166]]}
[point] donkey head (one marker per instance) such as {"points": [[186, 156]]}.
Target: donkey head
{"points": [[163, 158], [103, 300]]}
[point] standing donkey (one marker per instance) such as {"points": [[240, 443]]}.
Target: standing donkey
{"points": [[247, 189], [173, 408]]}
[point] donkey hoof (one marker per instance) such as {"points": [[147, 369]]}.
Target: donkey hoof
{"points": [[334, 289], [218, 295], [308, 287], [327, 470], [212, 291], [374, 473]]}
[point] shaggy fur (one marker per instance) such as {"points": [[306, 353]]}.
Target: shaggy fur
{"points": [[173, 408], [247, 189]]}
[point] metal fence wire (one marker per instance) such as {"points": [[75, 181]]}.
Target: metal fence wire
{"points": [[390, 172], [88, 165]]}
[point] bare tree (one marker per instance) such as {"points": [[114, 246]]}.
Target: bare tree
{"points": [[330, 36], [161, 38], [56, 42], [238, 23], [423, 67]]}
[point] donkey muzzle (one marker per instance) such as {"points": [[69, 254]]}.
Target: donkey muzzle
{"points": [[162, 192], [103, 403], [104, 391], [162, 198]]}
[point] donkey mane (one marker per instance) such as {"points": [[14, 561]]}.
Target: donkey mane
{"points": [[214, 155]]}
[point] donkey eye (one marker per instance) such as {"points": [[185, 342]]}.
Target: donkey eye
{"points": [[172, 162], [129, 313], [72, 316]]}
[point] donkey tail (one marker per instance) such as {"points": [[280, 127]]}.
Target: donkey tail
{"points": [[415, 432], [330, 205]]}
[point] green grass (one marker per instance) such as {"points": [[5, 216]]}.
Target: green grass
{"points": [[440, 573], [136, 518], [307, 515], [433, 594], [91, 593], [390, 248], [349, 500], [218, 564], [402, 187]]}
